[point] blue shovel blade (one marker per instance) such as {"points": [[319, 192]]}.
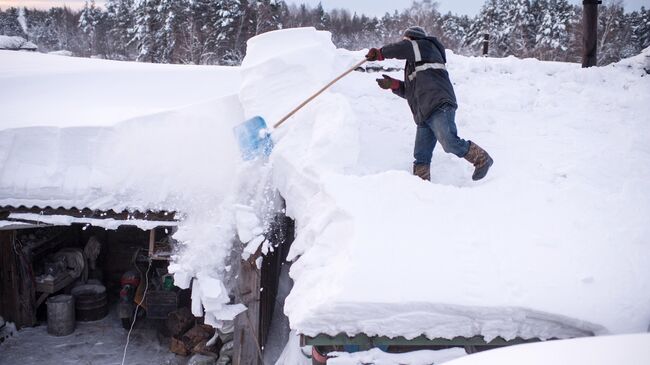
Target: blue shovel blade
{"points": [[254, 139]]}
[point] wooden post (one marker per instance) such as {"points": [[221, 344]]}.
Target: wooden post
{"points": [[486, 44], [590, 32], [247, 349]]}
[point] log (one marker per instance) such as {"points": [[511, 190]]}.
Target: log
{"points": [[196, 335], [178, 347], [180, 321]]}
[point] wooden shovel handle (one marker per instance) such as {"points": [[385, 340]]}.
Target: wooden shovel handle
{"points": [[318, 93]]}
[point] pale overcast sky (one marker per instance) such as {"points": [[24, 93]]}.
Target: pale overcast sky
{"points": [[368, 7]]}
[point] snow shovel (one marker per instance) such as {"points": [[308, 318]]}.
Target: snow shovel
{"points": [[254, 136]]}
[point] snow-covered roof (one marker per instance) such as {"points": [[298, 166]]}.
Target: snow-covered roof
{"points": [[553, 243], [108, 135], [16, 43]]}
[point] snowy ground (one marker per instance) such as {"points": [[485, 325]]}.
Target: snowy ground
{"points": [[553, 243], [92, 343], [605, 350]]}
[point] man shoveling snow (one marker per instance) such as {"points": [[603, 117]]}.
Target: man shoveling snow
{"points": [[431, 97]]}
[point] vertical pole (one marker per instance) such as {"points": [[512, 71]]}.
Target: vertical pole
{"points": [[486, 44], [152, 242], [590, 32]]}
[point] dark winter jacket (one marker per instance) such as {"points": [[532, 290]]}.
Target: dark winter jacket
{"points": [[430, 88]]}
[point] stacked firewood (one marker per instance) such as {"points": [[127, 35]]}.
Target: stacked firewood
{"points": [[190, 337]]}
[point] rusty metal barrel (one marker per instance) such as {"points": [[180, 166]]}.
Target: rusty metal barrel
{"points": [[60, 315]]}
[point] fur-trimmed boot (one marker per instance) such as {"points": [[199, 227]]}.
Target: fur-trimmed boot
{"points": [[422, 171], [480, 159]]}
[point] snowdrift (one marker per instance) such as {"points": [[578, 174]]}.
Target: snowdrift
{"points": [[605, 350]]}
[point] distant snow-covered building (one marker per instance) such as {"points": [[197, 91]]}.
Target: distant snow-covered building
{"points": [[15, 43]]}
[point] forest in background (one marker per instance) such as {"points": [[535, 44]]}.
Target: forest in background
{"points": [[215, 31]]}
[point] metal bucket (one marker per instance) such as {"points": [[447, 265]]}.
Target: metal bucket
{"points": [[60, 315], [90, 302]]}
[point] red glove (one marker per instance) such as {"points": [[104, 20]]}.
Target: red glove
{"points": [[388, 83], [374, 55]]}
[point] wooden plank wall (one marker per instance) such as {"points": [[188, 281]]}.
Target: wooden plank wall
{"points": [[16, 286], [257, 290], [7, 310]]}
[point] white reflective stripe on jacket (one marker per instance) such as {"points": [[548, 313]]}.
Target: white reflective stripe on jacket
{"points": [[426, 66]]}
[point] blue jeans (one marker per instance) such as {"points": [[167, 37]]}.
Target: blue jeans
{"points": [[440, 127]]}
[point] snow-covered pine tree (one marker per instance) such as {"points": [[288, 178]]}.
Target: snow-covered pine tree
{"points": [[453, 31], [65, 24], [490, 20], [41, 30], [518, 26], [235, 23], [121, 27], [553, 29], [9, 24], [199, 45], [171, 17], [303, 18], [640, 24], [267, 15], [320, 19], [147, 24], [89, 21]]}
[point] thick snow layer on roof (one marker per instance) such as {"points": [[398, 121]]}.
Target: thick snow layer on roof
{"points": [[104, 135], [164, 161], [49, 90], [552, 244]]}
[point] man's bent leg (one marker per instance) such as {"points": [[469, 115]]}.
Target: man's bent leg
{"points": [[425, 142], [443, 124]]}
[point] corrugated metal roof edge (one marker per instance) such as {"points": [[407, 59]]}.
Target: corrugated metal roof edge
{"points": [[125, 215]]}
